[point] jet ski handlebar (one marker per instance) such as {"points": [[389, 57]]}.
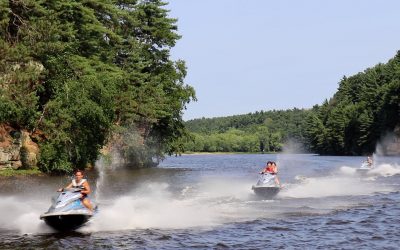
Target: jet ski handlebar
{"points": [[71, 190]]}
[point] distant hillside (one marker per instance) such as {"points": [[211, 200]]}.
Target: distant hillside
{"points": [[365, 108], [259, 131]]}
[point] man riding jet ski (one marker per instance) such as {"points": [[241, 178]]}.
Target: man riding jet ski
{"points": [[72, 208], [268, 184], [366, 166]]}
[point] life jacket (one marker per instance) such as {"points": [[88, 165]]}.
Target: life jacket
{"points": [[78, 185], [270, 170]]}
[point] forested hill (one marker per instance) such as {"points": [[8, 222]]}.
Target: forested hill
{"points": [[365, 108], [259, 131], [290, 120], [78, 76]]}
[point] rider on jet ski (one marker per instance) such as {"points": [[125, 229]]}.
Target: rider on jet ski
{"points": [[369, 162], [271, 169], [83, 184]]}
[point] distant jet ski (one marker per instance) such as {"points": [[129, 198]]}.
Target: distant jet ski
{"points": [[67, 211], [365, 167], [266, 186]]}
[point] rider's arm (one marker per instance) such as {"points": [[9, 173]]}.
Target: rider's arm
{"points": [[69, 186], [87, 188]]}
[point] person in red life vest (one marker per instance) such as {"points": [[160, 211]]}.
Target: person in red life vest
{"points": [[272, 169], [267, 168]]}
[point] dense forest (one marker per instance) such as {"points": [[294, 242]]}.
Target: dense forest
{"points": [[365, 108], [82, 75], [254, 132]]}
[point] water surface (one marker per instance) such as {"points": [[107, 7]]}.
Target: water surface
{"points": [[206, 202]]}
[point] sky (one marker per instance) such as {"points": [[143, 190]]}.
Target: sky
{"points": [[251, 55]]}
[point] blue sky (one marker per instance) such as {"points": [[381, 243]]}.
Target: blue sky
{"points": [[246, 56]]}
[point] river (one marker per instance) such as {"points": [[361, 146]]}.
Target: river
{"points": [[206, 202]]}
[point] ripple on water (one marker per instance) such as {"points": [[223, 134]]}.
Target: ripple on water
{"points": [[221, 245], [338, 222], [369, 221], [277, 228]]}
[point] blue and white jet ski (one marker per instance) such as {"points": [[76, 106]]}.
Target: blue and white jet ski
{"points": [[266, 186], [67, 211], [365, 167]]}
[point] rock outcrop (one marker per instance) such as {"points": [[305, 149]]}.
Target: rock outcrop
{"points": [[392, 143], [17, 150]]}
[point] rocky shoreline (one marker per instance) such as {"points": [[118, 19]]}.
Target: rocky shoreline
{"points": [[17, 150]]}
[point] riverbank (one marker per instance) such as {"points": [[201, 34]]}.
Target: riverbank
{"points": [[9, 172], [225, 153]]}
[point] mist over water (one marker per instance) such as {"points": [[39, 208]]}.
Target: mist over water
{"points": [[388, 144]]}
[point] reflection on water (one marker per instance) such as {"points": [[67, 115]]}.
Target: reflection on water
{"points": [[206, 201]]}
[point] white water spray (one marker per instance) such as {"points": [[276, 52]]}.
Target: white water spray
{"points": [[380, 170], [156, 209], [22, 215], [332, 186], [208, 203]]}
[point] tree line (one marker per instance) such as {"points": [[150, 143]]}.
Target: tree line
{"points": [[264, 131], [365, 108], [79, 75]]}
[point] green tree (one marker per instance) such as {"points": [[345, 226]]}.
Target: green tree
{"points": [[82, 72]]}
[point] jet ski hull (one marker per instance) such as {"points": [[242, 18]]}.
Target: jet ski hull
{"points": [[266, 192], [362, 171], [66, 222], [365, 168], [67, 211]]}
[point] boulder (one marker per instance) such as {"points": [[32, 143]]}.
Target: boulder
{"points": [[17, 150]]}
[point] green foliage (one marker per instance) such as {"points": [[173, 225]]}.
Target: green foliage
{"points": [[79, 71], [20, 172], [315, 133], [365, 108], [254, 132]]}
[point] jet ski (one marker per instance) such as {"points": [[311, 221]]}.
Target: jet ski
{"points": [[266, 186], [365, 167], [67, 211]]}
